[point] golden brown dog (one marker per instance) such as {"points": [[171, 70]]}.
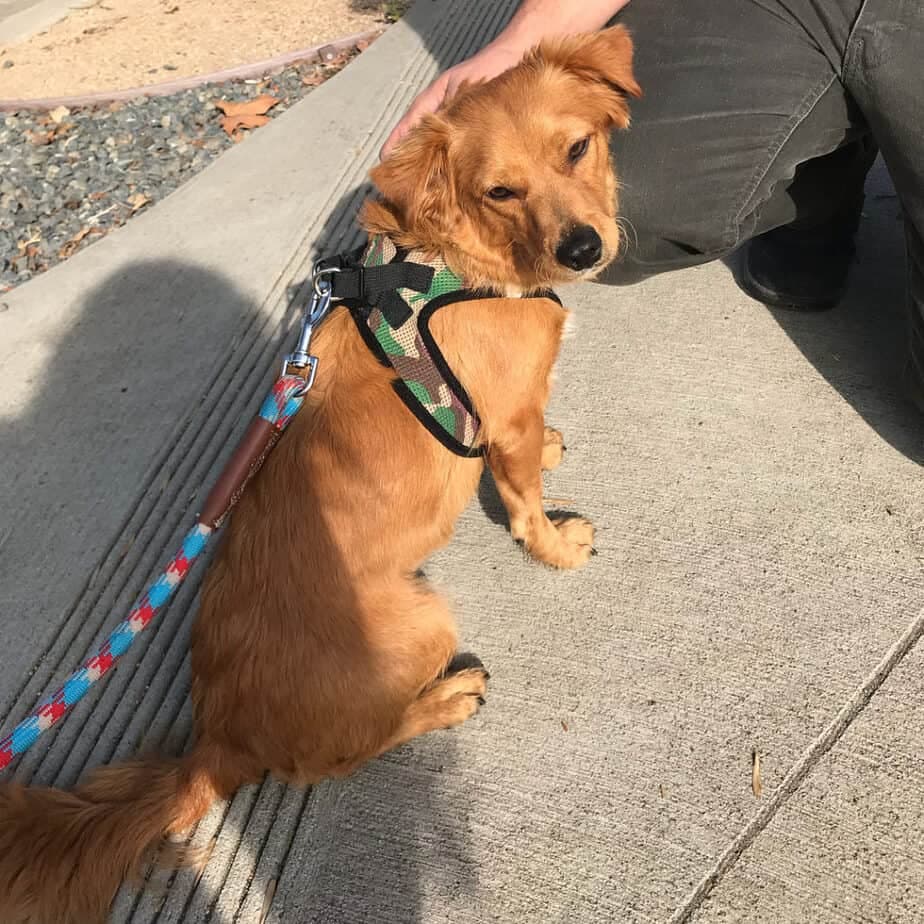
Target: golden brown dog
{"points": [[316, 647]]}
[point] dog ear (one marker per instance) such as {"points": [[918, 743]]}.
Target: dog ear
{"points": [[415, 178], [603, 58]]}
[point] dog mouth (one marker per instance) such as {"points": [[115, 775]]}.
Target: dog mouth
{"points": [[548, 271], [580, 254], [593, 271]]}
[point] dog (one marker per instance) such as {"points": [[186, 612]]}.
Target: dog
{"points": [[318, 646]]}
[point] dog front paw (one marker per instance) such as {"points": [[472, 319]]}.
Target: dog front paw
{"points": [[563, 542], [577, 541]]}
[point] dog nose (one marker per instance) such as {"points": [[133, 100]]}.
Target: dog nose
{"points": [[579, 249]]}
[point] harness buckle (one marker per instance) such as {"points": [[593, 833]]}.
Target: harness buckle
{"points": [[318, 274]]}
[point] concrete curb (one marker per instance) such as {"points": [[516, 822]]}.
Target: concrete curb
{"points": [[319, 53]]}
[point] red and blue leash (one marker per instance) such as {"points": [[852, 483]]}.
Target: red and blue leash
{"points": [[278, 409], [280, 406]]}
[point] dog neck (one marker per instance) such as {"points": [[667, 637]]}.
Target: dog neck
{"points": [[480, 267]]}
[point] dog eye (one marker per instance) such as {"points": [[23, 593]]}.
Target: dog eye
{"points": [[499, 193], [578, 150]]}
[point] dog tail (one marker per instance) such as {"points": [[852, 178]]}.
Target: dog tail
{"points": [[63, 854]]}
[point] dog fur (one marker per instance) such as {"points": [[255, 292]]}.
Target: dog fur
{"points": [[316, 647]]}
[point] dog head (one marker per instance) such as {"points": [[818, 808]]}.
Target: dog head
{"points": [[512, 179]]}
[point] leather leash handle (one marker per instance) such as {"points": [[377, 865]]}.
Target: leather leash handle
{"points": [[280, 406], [246, 461]]}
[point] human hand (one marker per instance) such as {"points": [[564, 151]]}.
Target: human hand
{"points": [[492, 60]]}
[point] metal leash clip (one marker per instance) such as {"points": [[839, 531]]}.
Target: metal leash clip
{"points": [[315, 312]]}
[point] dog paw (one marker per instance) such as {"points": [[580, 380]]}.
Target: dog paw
{"points": [[471, 682], [553, 449], [461, 708], [577, 542], [462, 695]]}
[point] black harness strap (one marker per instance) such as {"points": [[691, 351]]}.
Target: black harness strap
{"points": [[377, 286]]}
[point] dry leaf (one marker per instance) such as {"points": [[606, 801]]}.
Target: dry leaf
{"points": [[313, 80], [40, 139], [59, 114], [564, 725], [138, 201], [25, 245], [231, 124], [32, 255], [756, 783], [71, 245], [247, 114], [260, 105]]}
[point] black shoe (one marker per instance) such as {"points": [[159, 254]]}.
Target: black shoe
{"points": [[914, 384], [804, 269]]}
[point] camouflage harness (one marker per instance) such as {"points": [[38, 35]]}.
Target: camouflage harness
{"points": [[392, 295]]}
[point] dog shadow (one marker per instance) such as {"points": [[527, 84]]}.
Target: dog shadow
{"points": [[490, 500], [394, 845]]}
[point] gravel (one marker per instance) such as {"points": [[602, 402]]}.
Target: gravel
{"points": [[68, 177]]}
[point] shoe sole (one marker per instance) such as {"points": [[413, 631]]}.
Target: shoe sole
{"points": [[787, 302]]}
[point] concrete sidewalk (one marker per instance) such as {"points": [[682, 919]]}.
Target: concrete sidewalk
{"points": [[756, 481], [20, 19]]}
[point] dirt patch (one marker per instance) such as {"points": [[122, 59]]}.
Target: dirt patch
{"points": [[117, 44]]}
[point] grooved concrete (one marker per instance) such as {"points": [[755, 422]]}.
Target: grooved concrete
{"points": [[755, 479]]}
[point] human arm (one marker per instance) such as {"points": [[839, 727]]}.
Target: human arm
{"points": [[533, 21]]}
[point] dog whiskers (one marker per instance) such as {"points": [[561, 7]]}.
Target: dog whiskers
{"points": [[626, 225]]}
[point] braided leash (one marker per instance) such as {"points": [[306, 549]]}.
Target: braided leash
{"points": [[280, 406]]}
